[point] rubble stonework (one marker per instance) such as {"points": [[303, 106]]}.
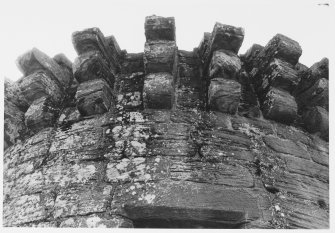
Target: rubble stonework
{"points": [[168, 138]]}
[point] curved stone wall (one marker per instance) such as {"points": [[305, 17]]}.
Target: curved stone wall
{"points": [[168, 138]]}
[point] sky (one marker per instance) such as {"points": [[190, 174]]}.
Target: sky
{"points": [[48, 25]]}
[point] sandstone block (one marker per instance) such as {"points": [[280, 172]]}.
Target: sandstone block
{"points": [[250, 55], [91, 65], [13, 123], [321, 69], [317, 95], [40, 114], [133, 63], [224, 95], [316, 119], [92, 39], [94, 97], [280, 106], [13, 94], [308, 77], [130, 82], [62, 60], [249, 104], [226, 37], [281, 47], [224, 64], [158, 91], [159, 56], [160, 28], [40, 84], [35, 60], [281, 75], [114, 46], [204, 45]]}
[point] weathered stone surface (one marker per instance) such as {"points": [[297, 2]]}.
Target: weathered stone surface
{"points": [[159, 56], [41, 114], [224, 64], [92, 39], [159, 28], [40, 84], [131, 82], [62, 60], [309, 76], [211, 206], [281, 75], [204, 45], [225, 37], [158, 91], [81, 200], [28, 208], [286, 147], [65, 64], [281, 47], [35, 60], [13, 123], [116, 50], [280, 106], [94, 97], [84, 140], [250, 56], [224, 95], [91, 65], [316, 119], [249, 104], [178, 167], [12, 93], [317, 95], [321, 69], [133, 63], [96, 221]]}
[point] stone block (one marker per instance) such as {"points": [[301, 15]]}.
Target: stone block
{"points": [[224, 64], [158, 91], [40, 84], [250, 56], [281, 47], [94, 97], [65, 64], [159, 28], [13, 123], [62, 60], [224, 95], [321, 69], [281, 75], [159, 56], [92, 39], [130, 82], [133, 63], [317, 95], [91, 65], [40, 114], [280, 106], [114, 46], [249, 104], [225, 37], [13, 94], [204, 45], [315, 120], [186, 204], [35, 60]]}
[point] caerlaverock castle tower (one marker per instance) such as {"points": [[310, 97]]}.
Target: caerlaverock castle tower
{"points": [[168, 138]]}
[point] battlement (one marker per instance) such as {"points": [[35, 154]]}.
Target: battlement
{"points": [[204, 138]]}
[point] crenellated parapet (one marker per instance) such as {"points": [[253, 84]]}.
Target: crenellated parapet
{"points": [[206, 138]]}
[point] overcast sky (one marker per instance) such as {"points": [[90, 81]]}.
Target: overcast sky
{"points": [[48, 25]]}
